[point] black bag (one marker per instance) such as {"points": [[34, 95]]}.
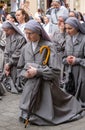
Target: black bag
{"points": [[2, 89], [70, 84], [67, 81]]}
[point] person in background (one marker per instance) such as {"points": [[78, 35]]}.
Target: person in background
{"points": [[14, 43], [25, 6], [80, 17], [59, 38], [58, 10], [3, 12], [40, 20], [73, 14], [22, 17], [48, 11], [43, 102], [49, 27], [14, 5], [11, 17], [39, 13]]}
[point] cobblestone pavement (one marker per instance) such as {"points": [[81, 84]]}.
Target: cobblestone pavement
{"points": [[9, 113]]}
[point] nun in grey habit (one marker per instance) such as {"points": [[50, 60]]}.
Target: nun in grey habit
{"points": [[43, 102], [59, 38], [2, 47], [14, 43], [74, 57]]}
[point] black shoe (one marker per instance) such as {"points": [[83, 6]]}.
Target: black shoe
{"points": [[22, 119], [19, 89], [0, 98]]}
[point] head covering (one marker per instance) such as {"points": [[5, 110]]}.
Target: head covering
{"points": [[74, 22], [61, 2], [37, 28], [58, 1], [64, 17], [8, 24], [48, 16], [75, 13]]}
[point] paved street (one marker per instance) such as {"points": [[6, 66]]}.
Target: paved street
{"points": [[9, 113]]}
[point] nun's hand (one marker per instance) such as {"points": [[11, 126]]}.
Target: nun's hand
{"points": [[71, 60], [6, 67], [31, 72], [7, 72]]}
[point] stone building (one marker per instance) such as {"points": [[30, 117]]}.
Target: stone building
{"points": [[79, 5]]}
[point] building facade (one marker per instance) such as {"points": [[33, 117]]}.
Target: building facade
{"points": [[78, 5]]}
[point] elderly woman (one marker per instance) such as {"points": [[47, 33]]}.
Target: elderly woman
{"points": [[74, 58], [14, 43], [43, 102]]}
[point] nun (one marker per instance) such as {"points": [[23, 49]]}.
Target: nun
{"points": [[2, 47], [49, 27], [59, 38], [74, 57], [14, 43], [43, 102]]}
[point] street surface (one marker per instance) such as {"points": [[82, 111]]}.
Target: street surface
{"points": [[9, 113]]}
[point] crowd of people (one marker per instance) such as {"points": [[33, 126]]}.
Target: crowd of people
{"points": [[43, 59]]}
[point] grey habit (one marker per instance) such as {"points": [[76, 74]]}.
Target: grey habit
{"points": [[76, 48], [2, 47], [14, 44], [52, 106], [59, 41]]}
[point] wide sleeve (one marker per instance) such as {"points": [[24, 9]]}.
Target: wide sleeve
{"points": [[21, 61], [13, 59], [2, 38], [81, 60]]}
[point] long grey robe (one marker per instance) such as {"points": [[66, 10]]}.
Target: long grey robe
{"points": [[77, 49], [53, 106], [2, 47], [59, 42], [14, 44]]}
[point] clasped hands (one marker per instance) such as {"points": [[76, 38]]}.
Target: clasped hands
{"points": [[31, 72], [71, 60], [7, 69]]}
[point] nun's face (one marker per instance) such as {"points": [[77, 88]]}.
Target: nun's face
{"points": [[70, 30], [71, 14], [60, 21], [9, 31], [32, 36]]}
